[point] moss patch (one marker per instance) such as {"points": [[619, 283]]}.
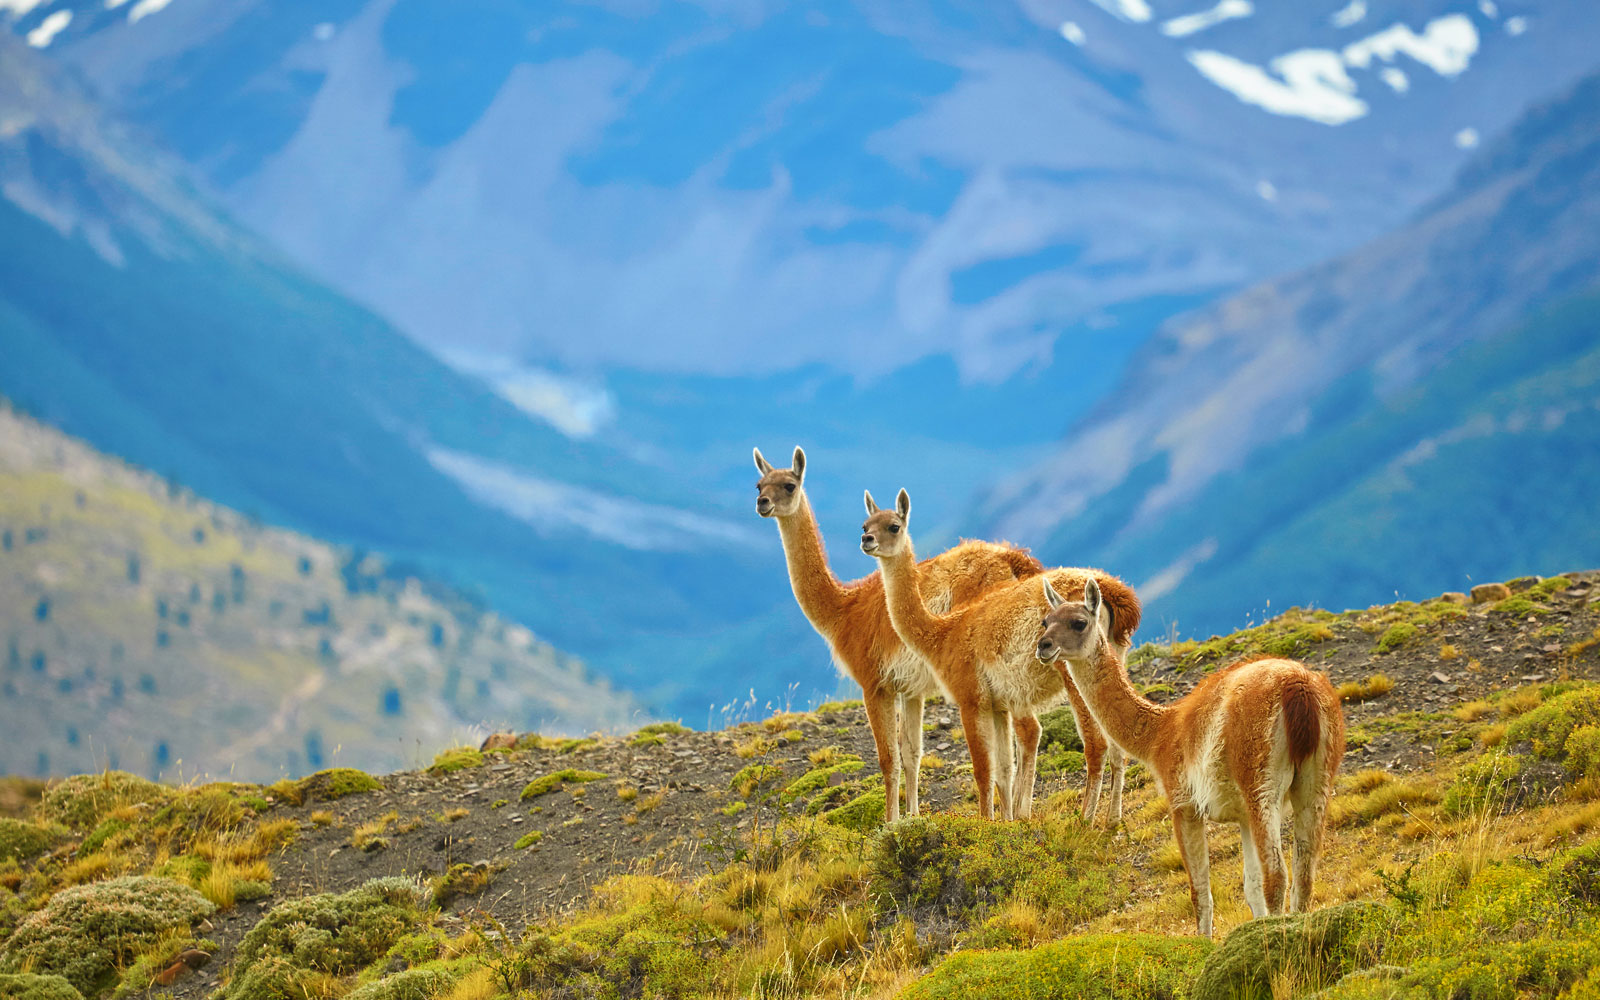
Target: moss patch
{"points": [[556, 780], [82, 801], [21, 841], [815, 780], [456, 759], [1312, 950], [28, 986]]}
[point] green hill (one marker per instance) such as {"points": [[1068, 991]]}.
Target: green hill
{"points": [[145, 629], [1461, 858]]}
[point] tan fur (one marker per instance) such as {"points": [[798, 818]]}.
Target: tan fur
{"points": [[852, 617], [983, 653], [1249, 740]]}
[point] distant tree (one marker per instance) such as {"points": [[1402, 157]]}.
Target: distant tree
{"points": [[391, 701], [305, 566], [161, 608], [41, 611], [219, 602], [236, 583], [436, 634], [163, 640], [194, 593], [133, 567], [147, 684], [163, 756], [199, 536], [5, 540], [40, 661], [321, 615], [118, 691], [81, 500], [64, 685], [13, 656], [72, 736], [182, 618], [314, 751]]}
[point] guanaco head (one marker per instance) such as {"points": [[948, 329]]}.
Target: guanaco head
{"points": [[884, 533], [1072, 629], [778, 491]]}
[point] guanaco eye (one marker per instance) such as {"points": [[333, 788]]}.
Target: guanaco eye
{"points": [[789, 487], [894, 529], [1078, 625]]}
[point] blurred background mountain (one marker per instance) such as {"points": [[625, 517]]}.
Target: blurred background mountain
{"points": [[1251, 306]]}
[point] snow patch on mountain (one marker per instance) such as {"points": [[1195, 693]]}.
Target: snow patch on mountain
{"points": [[144, 8], [1189, 24], [49, 28], [572, 406]]}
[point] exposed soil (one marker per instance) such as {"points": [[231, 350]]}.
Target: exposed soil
{"points": [[591, 832]]}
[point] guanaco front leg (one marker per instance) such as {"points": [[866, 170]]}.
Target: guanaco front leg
{"points": [[1027, 730], [1117, 761], [975, 724], [1004, 762], [911, 746], [881, 719], [1190, 829]]}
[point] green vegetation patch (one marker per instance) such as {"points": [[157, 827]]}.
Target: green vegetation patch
{"points": [[287, 954], [557, 780], [1109, 966], [22, 841], [411, 984], [1486, 784], [28, 986], [754, 778], [1552, 725], [463, 880], [656, 733], [1059, 731], [456, 759], [1396, 636], [87, 932], [1520, 605], [862, 813], [528, 839], [816, 780], [326, 786], [945, 865], [1294, 633], [838, 706], [82, 801], [1312, 950]]}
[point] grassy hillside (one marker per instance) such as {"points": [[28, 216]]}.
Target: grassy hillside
{"points": [[144, 629], [1462, 858]]}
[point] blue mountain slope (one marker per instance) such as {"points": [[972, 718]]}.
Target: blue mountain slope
{"points": [[1416, 415]]}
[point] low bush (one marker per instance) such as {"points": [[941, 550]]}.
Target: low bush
{"points": [[1109, 966], [28, 986], [82, 801], [1307, 950], [20, 841]]}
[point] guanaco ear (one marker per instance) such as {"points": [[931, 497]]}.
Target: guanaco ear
{"points": [[1091, 596], [1051, 598], [902, 506], [762, 465], [799, 466], [872, 505]]}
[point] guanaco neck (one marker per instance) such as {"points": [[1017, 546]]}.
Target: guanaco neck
{"points": [[818, 591], [903, 595], [1133, 722]]}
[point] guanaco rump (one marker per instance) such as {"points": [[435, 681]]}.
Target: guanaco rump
{"points": [[983, 652], [854, 621], [1249, 740]]}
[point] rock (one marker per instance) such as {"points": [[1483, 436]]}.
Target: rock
{"points": [[171, 974], [499, 741], [1551, 647], [1483, 593], [1455, 597], [1439, 678], [204, 927], [1532, 678], [194, 958], [1522, 583], [836, 778]]}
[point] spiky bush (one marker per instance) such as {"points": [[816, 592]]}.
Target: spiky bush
{"points": [[21, 841], [412, 984], [87, 932], [306, 940], [27, 986]]}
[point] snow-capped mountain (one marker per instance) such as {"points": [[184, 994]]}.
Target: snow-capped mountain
{"points": [[729, 188]]}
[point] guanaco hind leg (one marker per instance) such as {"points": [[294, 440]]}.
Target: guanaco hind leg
{"points": [[911, 746]]}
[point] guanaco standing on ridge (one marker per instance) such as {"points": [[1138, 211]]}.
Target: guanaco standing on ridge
{"points": [[852, 618], [983, 652], [1247, 741]]}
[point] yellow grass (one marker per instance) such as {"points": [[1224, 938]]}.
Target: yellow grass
{"points": [[1375, 686], [1448, 652], [366, 833]]}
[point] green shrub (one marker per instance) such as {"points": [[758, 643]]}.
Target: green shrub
{"points": [[456, 759], [1486, 783], [80, 802], [557, 780], [1059, 731], [862, 813], [1396, 636], [753, 778], [942, 865], [1311, 950], [333, 934], [412, 984], [1109, 966], [21, 841], [87, 932], [27, 986], [336, 783], [1552, 723], [528, 839], [462, 880]]}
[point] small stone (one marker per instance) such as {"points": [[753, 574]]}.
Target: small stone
{"points": [[1455, 597], [836, 778], [194, 958], [499, 741], [1522, 583], [1551, 647], [1439, 678], [204, 927], [1483, 593], [1532, 678], [942, 746]]}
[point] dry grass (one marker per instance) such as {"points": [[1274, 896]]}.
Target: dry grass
{"points": [[1493, 736], [932, 762], [221, 883], [627, 793], [479, 984], [1573, 824], [1375, 686], [455, 815], [1472, 711], [322, 817], [1519, 701], [756, 746], [649, 802], [783, 720], [1448, 652], [367, 835], [825, 756]]}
